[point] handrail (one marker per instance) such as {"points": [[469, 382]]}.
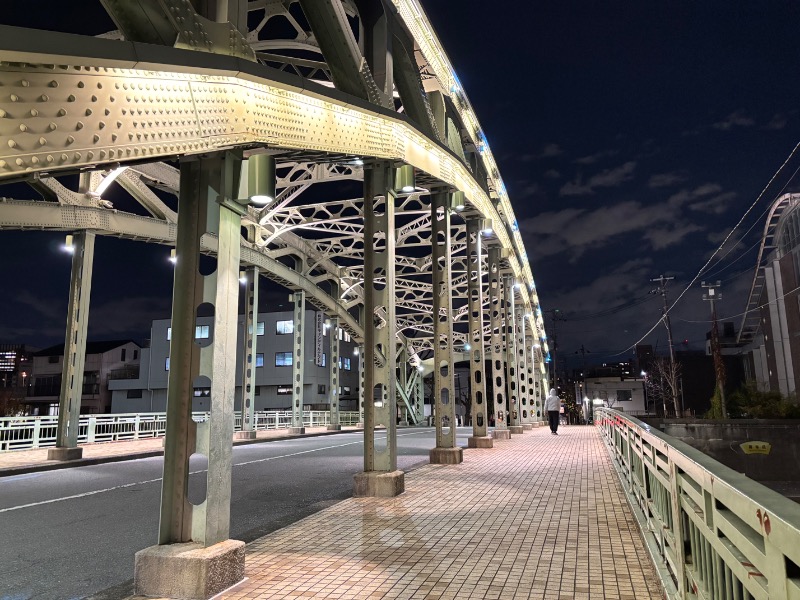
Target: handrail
{"points": [[713, 533], [25, 433]]}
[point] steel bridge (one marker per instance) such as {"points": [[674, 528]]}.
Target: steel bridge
{"points": [[224, 120]]}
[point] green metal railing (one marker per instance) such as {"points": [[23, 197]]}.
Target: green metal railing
{"points": [[713, 533]]}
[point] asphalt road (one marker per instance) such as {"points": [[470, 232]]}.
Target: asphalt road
{"points": [[73, 533]]}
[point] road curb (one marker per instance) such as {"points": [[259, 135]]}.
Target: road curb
{"points": [[99, 460]]}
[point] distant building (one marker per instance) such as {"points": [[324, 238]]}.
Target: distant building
{"points": [[15, 365], [102, 359], [626, 394], [145, 390], [770, 331]]}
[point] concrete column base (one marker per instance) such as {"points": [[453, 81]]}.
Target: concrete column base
{"points": [[516, 429], [64, 453], [379, 484], [188, 570], [244, 435], [446, 456], [537, 424], [334, 427], [297, 430], [527, 426], [484, 441], [501, 434]]}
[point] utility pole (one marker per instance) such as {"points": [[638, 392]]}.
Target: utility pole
{"points": [[555, 316], [662, 289], [712, 296]]}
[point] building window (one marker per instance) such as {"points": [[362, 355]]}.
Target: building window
{"points": [[135, 354], [202, 392], [260, 328], [134, 393], [52, 359], [169, 333], [344, 363], [122, 354], [344, 390], [259, 360], [324, 361], [284, 390], [283, 359], [624, 395], [201, 332], [284, 327], [166, 364], [321, 388], [257, 391]]}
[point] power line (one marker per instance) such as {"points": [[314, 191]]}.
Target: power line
{"points": [[727, 237]]}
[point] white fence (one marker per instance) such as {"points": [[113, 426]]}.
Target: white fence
{"points": [[24, 433]]}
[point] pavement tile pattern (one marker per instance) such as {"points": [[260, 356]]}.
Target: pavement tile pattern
{"points": [[538, 516]]}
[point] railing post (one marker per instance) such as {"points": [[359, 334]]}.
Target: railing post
{"points": [[37, 431], [91, 429], [136, 422], [677, 528]]}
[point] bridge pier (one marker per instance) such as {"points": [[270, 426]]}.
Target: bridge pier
{"points": [[249, 337], [69, 401], [333, 381], [193, 538], [380, 476], [496, 308], [298, 300], [444, 406], [480, 419]]}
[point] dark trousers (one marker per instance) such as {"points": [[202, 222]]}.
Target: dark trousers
{"points": [[553, 416]]}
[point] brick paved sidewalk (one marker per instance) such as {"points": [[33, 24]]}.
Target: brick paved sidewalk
{"points": [[16, 460], [538, 516]]}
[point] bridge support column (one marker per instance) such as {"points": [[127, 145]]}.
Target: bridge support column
{"points": [[522, 367], [298, 300], [477, 385], [69, 401], [380, 476], [512, 372], [444, 400], [249, 337], [195, 558], [530, 352], [496, 309], [333, 381]]}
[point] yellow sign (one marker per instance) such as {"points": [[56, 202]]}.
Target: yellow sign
{"points": [[756, 447]]}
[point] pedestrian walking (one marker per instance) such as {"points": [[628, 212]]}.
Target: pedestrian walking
{"points": [[553, 405]]}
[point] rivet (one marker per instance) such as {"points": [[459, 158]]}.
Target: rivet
{"points": [[34, 112], [70, 139], [24, 83], [20, 162], [52, 127], [54, 84], [23, 127], [77, 156], [50, 158], [90, 155], [62, 112], [2, 164], [96, 138], [42, 141], [44, 98], [14, 98], [70, 98], [88, 111], [12, 144], [80, 84], [35, 160], [101, 125]]}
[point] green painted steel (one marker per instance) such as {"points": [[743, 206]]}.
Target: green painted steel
{"points": [[712, 532]]}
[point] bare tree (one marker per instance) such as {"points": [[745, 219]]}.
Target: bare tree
{"points": [[662, 384], [11, 399]]}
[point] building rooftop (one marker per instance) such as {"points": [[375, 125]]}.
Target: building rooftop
{"points": [[91, 347]]}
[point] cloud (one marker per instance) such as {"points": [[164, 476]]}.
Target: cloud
{"points": [[579, 230], [735, 119], [606, 178], [714, 206], [779, 121], [550, 150], [47, 309], [665, 180], [680, 198], [668, 236], [593, 158], [552, 174], [138, 312]]}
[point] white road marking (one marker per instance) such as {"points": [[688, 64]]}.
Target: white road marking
{"points": [[127, 485]]}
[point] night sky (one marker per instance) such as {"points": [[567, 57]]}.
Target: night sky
{"points": [[631, 138]]}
